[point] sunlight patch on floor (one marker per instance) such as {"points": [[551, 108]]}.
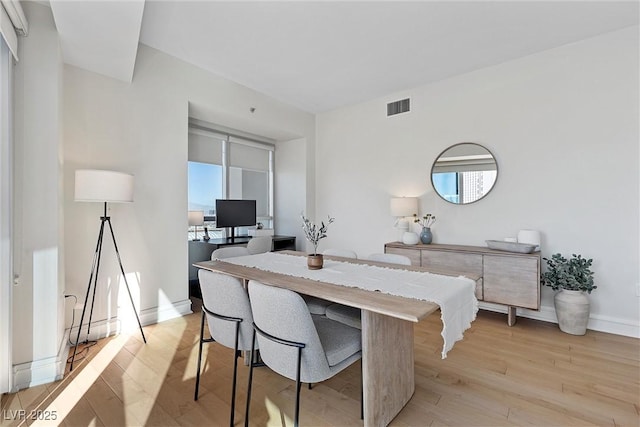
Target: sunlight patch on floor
{"points": [[192, 362], [277, 417], [73, 392], [160, 354]]}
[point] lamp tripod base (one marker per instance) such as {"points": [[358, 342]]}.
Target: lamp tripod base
{"points": [[93, 281]]}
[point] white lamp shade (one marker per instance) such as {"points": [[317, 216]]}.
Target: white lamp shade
{"points": [[103, 186], [404, 206], [196, 218]]}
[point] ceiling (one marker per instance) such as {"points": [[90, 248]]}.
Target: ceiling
{"points": [[319, 56]]}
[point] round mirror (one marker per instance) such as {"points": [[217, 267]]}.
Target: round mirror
{"points": [[464, 173]]}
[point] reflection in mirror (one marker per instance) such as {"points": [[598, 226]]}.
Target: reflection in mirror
{"points": [[464, 173]]}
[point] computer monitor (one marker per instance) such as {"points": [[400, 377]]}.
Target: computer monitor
{"points": [[235, 213]]}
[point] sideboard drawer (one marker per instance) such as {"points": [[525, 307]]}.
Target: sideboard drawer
{"points": [[446, 260]]}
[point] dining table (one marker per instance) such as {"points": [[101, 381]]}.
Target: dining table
{"points": [[387, 320]]}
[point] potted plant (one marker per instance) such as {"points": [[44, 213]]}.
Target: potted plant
{"points": [[425, 222], [313, 234], [573, 277]]}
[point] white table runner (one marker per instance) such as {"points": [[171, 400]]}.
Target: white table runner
{"points": [[455, 295]]}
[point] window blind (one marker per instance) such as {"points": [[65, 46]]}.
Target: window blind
{"points": [[205, 148]]}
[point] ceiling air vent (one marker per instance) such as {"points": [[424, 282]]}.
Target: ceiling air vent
{"points": [[398, 107]]}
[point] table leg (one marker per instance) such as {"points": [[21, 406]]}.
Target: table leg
{"points": [[511, 316], [387, 367]]}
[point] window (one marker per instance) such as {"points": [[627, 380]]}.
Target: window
{"points": [[464, 187], [225, 166], [205, 186], [446, 185], [250, 176]]}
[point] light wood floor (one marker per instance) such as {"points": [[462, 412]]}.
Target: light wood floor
{"points": [[529, 374]]}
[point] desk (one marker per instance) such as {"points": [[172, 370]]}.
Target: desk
{"points": [[387, 332], [200, 250]]}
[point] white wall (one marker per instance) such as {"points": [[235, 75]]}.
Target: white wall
{"points": [[38, 315], [563, 126], [291, 189], [142, 128]]}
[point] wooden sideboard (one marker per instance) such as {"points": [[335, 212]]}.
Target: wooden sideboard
{"points": [[508, 278]]}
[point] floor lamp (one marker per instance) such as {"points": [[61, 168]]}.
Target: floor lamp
{"points": [[104, 187]]}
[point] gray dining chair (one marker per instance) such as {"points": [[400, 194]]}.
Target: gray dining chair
{"points": [[229, 252], [345, 253], [294, 343], [353, 316], [390, 258], [259, 245], [226, 308], [319, 305]]}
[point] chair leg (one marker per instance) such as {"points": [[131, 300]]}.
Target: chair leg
{"points": [[235, 376], [255, 359], [298, 386], [195, 397], [246, 413]]}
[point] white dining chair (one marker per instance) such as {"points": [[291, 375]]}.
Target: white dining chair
{"points": [[319, 305], [353, 316], [296, 344], [229, 252], [226, 308], [390, 258], [259, 245], [345, 253]]}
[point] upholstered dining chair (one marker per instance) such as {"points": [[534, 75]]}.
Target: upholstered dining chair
{"points": [[226, 308], [259, 245], [345, 253], [350, 315], [229, 252], [319, 305], [294, 343], [390, 258]]}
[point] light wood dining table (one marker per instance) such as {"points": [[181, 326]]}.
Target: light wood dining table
{"points": [[387, 330]]}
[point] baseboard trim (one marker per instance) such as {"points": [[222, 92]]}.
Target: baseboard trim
{"points": [[42, 371], [104, 328], [52, 369], [611, 325]]}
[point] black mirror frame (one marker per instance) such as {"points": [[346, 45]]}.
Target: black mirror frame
{"points": [[455, 145]]}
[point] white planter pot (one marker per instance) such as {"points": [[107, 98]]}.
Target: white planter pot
{"points": [[572, 310]]}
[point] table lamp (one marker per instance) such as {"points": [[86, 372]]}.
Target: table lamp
{"points": [[196, 218], [401, 208]]}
